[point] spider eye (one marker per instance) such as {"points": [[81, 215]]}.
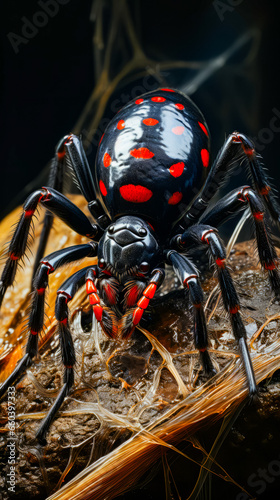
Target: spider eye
{"points": [[111, 229], [144, 267], [101, 263], [142, 231]]}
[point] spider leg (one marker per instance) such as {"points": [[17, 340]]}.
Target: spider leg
{"points": [[233, 203], [209, 236], [60, 206], [188, 276], [36, 318], [64, 295], [236, 147], [74, 149], [55, 181]]}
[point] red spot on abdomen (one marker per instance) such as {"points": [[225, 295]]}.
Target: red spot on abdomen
{"points": [[135, 194], [177, 169], [168, 90], [158, 99], [121, 125], [203, 128], [205, 157], [150, 121], [139, 101], [103, 188], [179, 106], [143, 153], [107, 160], [175, 198], [178, 130]]}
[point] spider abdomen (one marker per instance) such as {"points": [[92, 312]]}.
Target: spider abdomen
{"points": [[153, 158]]}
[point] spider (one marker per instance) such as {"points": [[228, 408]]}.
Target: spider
{"points": [[148, 196]]}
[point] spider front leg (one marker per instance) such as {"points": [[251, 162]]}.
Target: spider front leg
{"points": [[237, 147], [36, 319], [234, 202], [64, 295], [201, 234], [60, 206], [69, 152], [188, 277]]}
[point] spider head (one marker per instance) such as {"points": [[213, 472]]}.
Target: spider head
{"points": [[128, 248]]}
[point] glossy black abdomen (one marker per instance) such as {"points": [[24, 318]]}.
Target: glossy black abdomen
{"points": [[153, 159]]}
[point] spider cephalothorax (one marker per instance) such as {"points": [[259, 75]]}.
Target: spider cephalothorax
{"points": [[128, 248], [151, 186]]}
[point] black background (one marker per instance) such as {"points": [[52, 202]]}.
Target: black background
{"points": [[46, 84]]}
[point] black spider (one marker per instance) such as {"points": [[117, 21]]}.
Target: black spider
{"points": [[151, 188]]}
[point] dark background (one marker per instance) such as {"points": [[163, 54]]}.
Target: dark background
{"points": [[46, 84]]}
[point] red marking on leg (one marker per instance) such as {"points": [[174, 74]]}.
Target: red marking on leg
{"points": [[203, 128], [68, 366], [40, 291], [150, 291], [64, 321], [90, 287], [270, 266], [177, 169], [107, 160], [103, 188], [143, 302], [137, 315], [33, 332], [168, 90], [143, 153], [150, 122], [204, 157], [50, 267], [265, 190], [197, 306], [94, 299], [221, 262], [14, 257], [235, 309], [121, 125], [179, 106], [69, 139], [135, 194], [192, 276], [28, 213], [60, 154], [139, 101], [202, 349], [258, 215], [175, 198], [178, 130], [205, 234], [248, 151], [98, 311], [45, 195]]}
